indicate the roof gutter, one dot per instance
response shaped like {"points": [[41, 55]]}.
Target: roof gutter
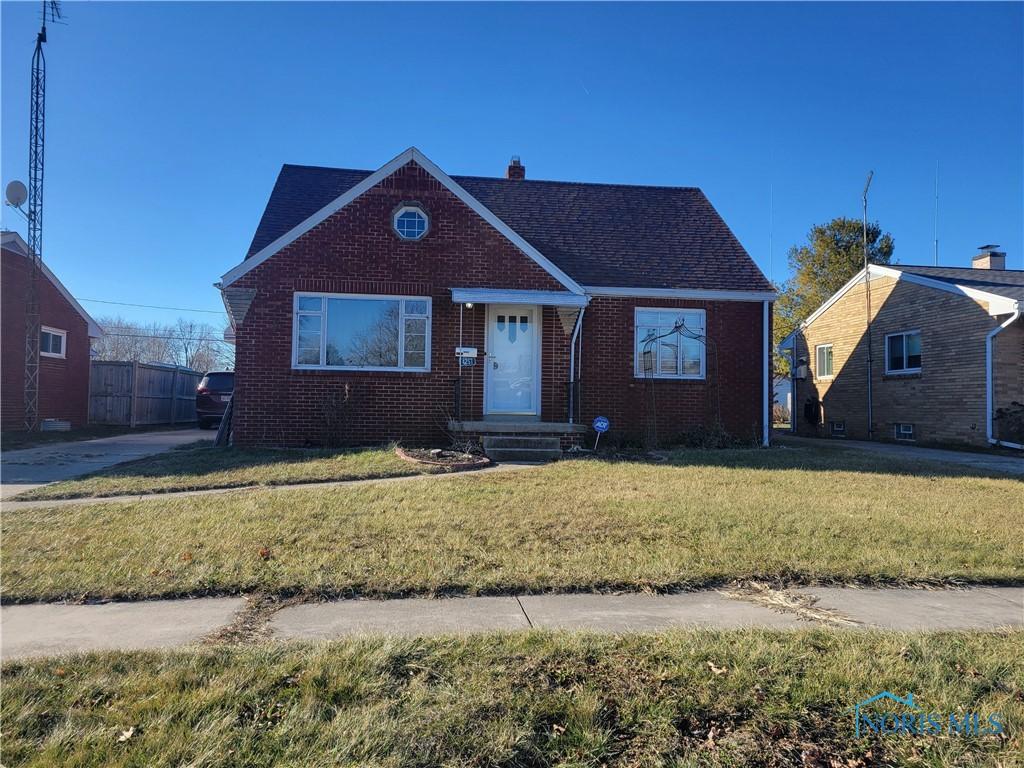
{"points": [[990, 384]]}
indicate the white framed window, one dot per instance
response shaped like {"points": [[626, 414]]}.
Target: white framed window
{"points": [[669, 343], [823, 361], [837, 428], [903, 352], [361, 332], [903, 431], [411, 222], [52, 342]]}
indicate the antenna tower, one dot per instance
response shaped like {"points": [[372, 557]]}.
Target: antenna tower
{"points": [[36, 147]]}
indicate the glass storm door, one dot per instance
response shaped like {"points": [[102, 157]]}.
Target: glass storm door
{"points": [[512, 361]]}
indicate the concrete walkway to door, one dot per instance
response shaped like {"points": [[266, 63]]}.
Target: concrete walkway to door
{"points": [[31, 467], [987, 462]]}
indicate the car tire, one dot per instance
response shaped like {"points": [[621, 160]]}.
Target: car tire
{"points": [[205, 423]]}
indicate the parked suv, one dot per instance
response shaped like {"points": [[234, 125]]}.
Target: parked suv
{"points": [[212, 396]]}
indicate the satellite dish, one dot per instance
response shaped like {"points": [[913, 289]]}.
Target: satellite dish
{"points": [[17, 194]]}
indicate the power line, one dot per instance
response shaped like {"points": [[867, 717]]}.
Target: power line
{"points": [[153, 306], [166, 338]]}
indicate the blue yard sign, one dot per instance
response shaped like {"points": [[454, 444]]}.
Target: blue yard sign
{"points": [[600, 426]]}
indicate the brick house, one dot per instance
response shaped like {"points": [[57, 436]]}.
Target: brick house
{"points": [[64, 343], [366, 294], [947, 351]]}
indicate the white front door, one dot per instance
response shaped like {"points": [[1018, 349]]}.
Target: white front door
{"points": [[512, 364]]}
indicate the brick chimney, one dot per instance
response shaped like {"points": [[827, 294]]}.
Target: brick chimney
{"points": [[989, 258], [516, 169]]}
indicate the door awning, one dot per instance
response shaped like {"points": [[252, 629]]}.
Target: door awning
{"points": [[513, 296]]}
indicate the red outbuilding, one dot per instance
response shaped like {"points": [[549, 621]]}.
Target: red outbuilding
{"points": [[64, 343]]}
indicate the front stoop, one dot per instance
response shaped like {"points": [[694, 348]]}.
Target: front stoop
{"points": [[518, 448]]}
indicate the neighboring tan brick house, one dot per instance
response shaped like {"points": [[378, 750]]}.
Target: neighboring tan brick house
{"points": [[634, 303], [64, 346], [947, 350]]}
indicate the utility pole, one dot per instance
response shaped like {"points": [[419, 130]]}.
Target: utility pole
{"points": [[36, 147], [867, 304]]}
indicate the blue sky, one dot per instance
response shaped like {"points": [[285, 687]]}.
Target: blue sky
{"points": [[167, 122]]}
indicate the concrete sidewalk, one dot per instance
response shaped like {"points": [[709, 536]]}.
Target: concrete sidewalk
{"points": [[31, 467], [46, 629], [984, 462]]}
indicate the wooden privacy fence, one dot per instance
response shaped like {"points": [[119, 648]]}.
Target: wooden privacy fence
{"points": [[141, 393]]}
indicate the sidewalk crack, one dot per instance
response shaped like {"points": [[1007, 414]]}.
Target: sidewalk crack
{"points": [[525, 614]]}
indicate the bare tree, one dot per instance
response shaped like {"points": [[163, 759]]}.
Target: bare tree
{"points": [[199, 346]]}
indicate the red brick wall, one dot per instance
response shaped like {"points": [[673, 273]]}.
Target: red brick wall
{"points": [[356, 251], [733, 386], [63, 383]]}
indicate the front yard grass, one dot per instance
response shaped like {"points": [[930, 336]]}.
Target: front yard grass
{"points": [[679, 698], [201, 466], [699, 519]]}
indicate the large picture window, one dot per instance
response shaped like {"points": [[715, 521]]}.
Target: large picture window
{"points": [[903, 352], [361, 332], [669, 343]]}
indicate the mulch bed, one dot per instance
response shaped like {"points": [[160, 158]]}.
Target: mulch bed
{"points": [[449, 460]]}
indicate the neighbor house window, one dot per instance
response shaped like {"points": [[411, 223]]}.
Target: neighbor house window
{"points": [[837, 428], [669, 343], [823, 361], [903, 431], [361, 332], [52, 342], [411, 222], [903, 352]]}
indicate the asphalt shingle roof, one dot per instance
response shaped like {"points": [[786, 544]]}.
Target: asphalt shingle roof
{"points": [[1001, 282], [599, 234]]}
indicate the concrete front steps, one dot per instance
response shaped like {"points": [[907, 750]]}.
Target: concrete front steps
{"points": [[519, 448]]}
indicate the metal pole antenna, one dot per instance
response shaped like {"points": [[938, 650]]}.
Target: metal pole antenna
{"points": [[36, 147], [867, 304], [936, 213]]}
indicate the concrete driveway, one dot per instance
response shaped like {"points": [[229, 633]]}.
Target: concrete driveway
{"points": [[986, 462], [32, 467]]}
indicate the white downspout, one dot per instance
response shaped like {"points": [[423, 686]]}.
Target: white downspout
{"points": [[572, 362], [765, 408], [990, 384]]}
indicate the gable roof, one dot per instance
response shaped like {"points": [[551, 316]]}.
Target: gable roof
{"points": [[1008, 283], [600, 235], [12, 241], [411, 155], [1002, 289]]}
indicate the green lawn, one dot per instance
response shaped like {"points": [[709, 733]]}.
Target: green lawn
{"points": [[677, 698], [201, 466], [705, 517]]}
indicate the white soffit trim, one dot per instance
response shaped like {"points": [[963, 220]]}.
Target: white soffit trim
{"points": [[998, 305], [15, 242], [513, 296], [410, 155], [681, 293]]}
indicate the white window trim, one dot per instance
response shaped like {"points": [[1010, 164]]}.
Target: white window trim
{"points": [[901, 371], [63, 342], [323, 332], [638, 371], [818, 376], [421, 212], [896, 432]]}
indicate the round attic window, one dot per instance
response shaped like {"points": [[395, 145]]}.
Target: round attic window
{"points": [[411, 222]]}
